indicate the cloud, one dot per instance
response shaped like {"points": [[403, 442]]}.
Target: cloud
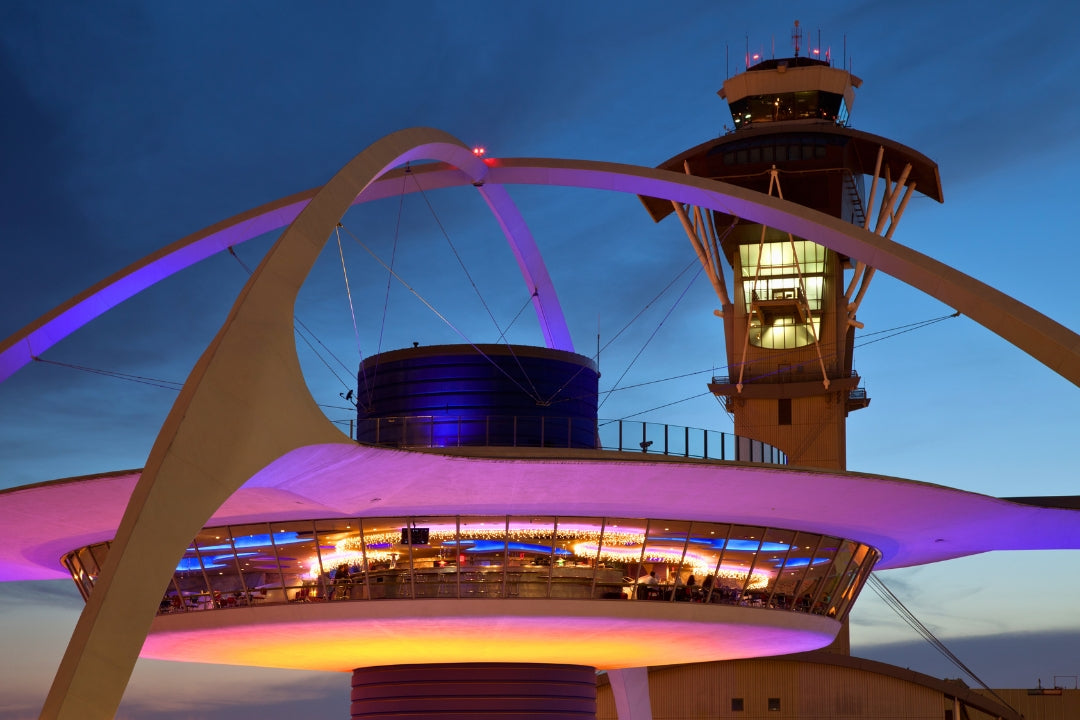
{"points": [[180, 691], [969, 99], [36, 620], [1008, 660], [39, 617], [44, 594], [37, 223]]}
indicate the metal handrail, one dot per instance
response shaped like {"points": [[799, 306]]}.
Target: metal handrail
{"points": [[729, 380], [428, 431]]}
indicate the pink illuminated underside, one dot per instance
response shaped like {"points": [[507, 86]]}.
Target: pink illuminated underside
{"points": [[606, 634]]}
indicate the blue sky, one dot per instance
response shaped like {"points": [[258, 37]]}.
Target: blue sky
{"points": [[128, 126]]}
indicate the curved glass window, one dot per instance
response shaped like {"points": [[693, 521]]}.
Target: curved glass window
{"points": [[502, 556], [800, 105]]}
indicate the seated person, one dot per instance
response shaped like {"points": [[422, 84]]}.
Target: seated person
{"points": [[648, 586], [693, 590]]}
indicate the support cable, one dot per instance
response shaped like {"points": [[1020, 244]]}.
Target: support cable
{"points": [[535, 394], [650, 303], [658, 407], [348, 293], [370, 387], [653, 335], [297, 326], [438, 314], [801, 301], [660, 380], [175, 385], [890, 599], [528, 301], [908, 328], [346, 385], [116, 375], [893, 332], [625, 327]]}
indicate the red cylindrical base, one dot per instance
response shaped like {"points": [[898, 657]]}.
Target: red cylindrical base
{"points": [[466, 691]]}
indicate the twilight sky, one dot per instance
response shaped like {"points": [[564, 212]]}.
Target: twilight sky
{"points": [[128, 126]]}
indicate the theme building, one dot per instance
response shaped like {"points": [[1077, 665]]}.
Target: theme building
{"points": [[485, 545]]}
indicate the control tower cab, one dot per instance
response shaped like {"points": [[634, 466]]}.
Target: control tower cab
{"points": [[790, 316], [790, 89]]}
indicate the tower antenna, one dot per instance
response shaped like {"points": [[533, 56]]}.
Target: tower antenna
{"points": [[796, 36]]}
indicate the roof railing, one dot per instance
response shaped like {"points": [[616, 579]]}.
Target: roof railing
{"points": [[435, 431]]}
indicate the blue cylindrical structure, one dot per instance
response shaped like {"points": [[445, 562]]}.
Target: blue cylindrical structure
{"points": [[461, 395]]}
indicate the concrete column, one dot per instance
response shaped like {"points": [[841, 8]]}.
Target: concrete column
{"points": [[630, 688]]}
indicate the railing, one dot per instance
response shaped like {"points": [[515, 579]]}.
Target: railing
{"points": [[778, 294], [478, 431], [655, 438], [564, 432], [785, 373]]}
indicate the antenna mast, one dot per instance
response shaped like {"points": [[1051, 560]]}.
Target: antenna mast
{"points": [[796, 36]]}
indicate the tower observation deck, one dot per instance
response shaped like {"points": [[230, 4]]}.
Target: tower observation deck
{"points": [[790, 316]]}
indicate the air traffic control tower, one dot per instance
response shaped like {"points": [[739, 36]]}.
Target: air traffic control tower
{"points": [[790, 312]]}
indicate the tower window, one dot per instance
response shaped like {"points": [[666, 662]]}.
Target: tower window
{"points": [[783, 411], [774, 704], [736, 704]]}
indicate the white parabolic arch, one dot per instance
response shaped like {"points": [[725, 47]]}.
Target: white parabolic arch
{"points": [[245, 403], [1042, 338]]}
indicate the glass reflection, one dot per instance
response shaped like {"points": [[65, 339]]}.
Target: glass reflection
{"points": [[847, 588], [780, 544], [817, 575], [845, 557], [791, 569], [385, 548], [341, 573]]}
